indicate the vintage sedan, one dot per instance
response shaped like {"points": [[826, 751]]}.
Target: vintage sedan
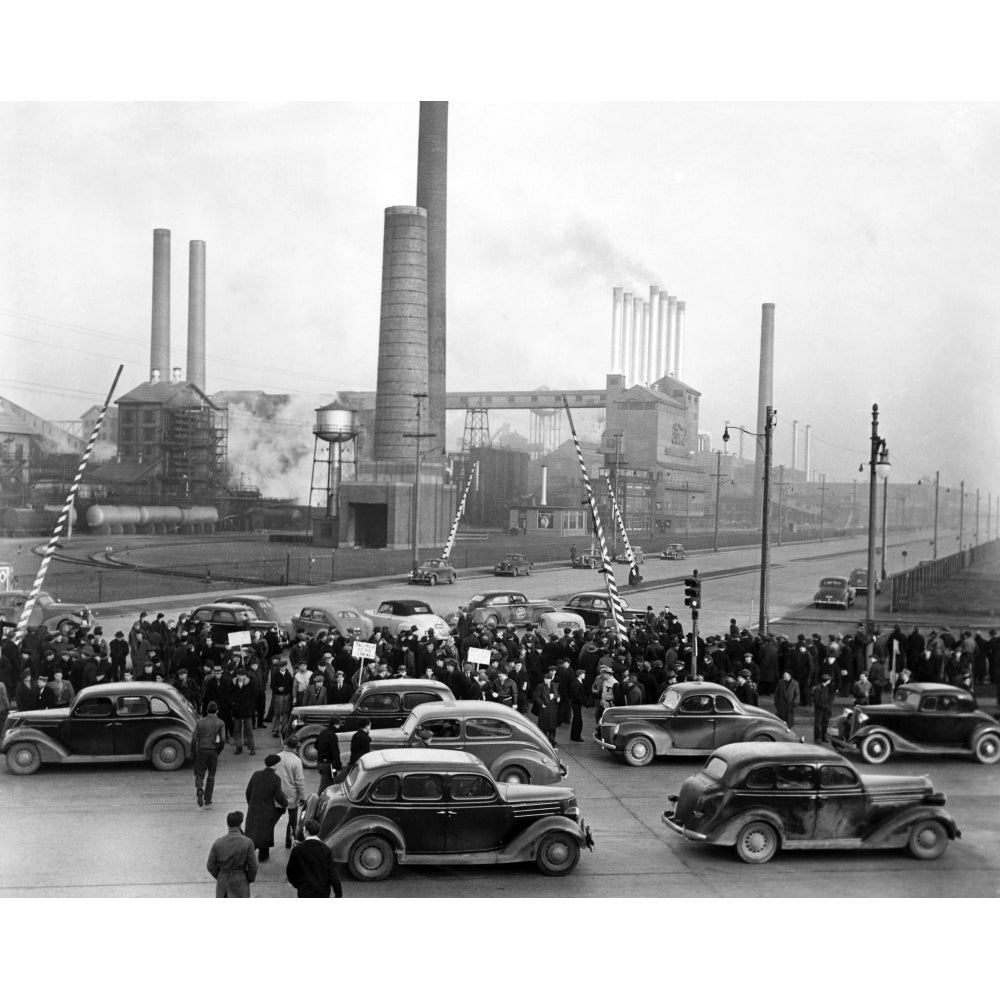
{"points": [[640, 556], [594, 607], [345, 621], [406, 616], [691, 719], [508, 743], [263, 609], [549, 621], [503, 607], [433, 572], [513, 564], [587, 560], [386, 704], [673, 551], [442, 807], [922, 718], [859, 581], [128, 721], [761, 798], [46, 611], [834, 591]]}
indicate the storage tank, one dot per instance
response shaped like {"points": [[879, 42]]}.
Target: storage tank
{"points": [[333, 423]]}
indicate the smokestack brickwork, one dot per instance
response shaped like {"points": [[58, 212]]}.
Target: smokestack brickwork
{"points": [[403, 338], [159, 343], [196, 314], [432, 195]]}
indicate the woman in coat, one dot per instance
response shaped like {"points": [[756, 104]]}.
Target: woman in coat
{"points": [[266, 803]]}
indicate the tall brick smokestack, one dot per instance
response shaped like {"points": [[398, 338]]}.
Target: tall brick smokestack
{"points": [[432, 195], [159, 341], [196, 314], [402, 334], [765, 393]]}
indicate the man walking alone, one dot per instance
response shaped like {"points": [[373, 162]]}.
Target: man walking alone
{"points": [[232, 861], [207, 741]]}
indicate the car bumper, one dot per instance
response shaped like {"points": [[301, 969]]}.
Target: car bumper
{"points": [[604, 744], [668, 821]]}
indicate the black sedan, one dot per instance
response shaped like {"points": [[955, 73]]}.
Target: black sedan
{"points": [[442, 807], [924, 719], [759, 799]]}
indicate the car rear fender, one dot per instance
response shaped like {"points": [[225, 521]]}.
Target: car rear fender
{"points": [[980, 730], [309, 731], [50, 751], [178, 732], [726, 833], [525, 845], [895, 831], [340, 841], [526, 759], [765, 727]]}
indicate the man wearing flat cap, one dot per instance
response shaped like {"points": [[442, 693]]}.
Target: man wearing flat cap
{"points": [[232, 862], [823, 696], [266, 803]]}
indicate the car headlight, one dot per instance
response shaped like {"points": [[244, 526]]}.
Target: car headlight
{"points": [[614, 731]]}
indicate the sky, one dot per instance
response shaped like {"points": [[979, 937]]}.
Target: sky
{"points": [[871, 226]]}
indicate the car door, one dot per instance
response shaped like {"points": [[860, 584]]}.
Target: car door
{"points": [[422, 812], [442, 733], [383, 708], [787, 790], [478, 818], [693, 725], [941, 722], [730, 722], [132, 724], [841, 805], [487, 738], [90, 729], [520, 613]]}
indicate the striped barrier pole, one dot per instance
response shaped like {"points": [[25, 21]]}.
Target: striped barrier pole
{"points": [[29, 605], [621, 525], [608, 570], [458, 516]]}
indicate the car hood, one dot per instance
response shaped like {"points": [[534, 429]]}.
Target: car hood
{"points": [[322, 711], [622, 713], [42, 716], [388, 739], [516, 794], [887, 786]]}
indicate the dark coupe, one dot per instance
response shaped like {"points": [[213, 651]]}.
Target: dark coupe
{"points": [[133, 720], [759, 799], [442, 807], [922, 718], [690, 719]]}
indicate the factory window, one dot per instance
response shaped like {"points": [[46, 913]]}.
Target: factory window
{"points": [[149, 434], [572, 520], [149, 416], [127, 416]]}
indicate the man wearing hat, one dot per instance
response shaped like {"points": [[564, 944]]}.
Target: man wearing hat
{"points": [[244, 706], [823, 696], [266, 803], [207, 741], [746, 690], [293, 783], [282, 687], [232, 862]]}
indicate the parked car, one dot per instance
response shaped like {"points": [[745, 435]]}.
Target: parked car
{"points": [[673, 551], [513, 564], [433, 571], [834, 591], [594, 607], [859, 581], [507, 742], [503, 607], [922, 718], [128, 721], [262, 607], [442, 807], [550, 621], [760, 798], [345, 621], [387, 704], [403, 616], [47, 611], [225, 619], [640, 556], [587, 560], [690, 719]]}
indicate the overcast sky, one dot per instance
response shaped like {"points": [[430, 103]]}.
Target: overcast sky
{"points": [[872, 227]]}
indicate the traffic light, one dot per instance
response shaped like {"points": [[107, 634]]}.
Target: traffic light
{"points": [[692, 592]]}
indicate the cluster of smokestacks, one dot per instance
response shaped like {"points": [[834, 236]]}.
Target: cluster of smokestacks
{"points": [[159, 346], [647, 337]]}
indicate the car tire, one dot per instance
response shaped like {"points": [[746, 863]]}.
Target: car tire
{"points": [[491, 621], [168, 754], [371, 859], [928, 840], [515, 776], [757, 843], [307, 752], [987, 748], [558, 853], [639, 751], [527, 572], [433, 580], [454, 577], [876, 748], [23, 758]]}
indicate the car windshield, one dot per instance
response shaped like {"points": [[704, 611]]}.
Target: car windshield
{"points": [[670, 698], [832, 581], [716, 768], [478, 599], [266, 610], [911, 699]]}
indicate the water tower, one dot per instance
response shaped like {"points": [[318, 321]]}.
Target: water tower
{"points": [[334, 427]]}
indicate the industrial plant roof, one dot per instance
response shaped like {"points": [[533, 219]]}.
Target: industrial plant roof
{"points": [[10, 424], [179, 394]]}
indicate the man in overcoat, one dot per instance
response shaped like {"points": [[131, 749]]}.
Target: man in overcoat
{"points": [[546, 704], [266, 803], [786, 697], [311, 868], [232, 862]]}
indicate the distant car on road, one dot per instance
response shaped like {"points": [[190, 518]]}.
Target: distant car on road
{"points": [[105, 723], [47, 611], [433, 572], [922, 718], [443, 807], [760, 798], [690, 719], [403, 616], [859, 581], [587, 560], [513, 564], [834, 591], [503, 607], [673, 551], [640, 556], [346, 621]]}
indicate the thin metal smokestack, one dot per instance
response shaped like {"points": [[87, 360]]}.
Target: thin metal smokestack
{"points": [[432, 195], [616, 331], [808, 452], [196, 314], [661, 335], [765, 390], [633, 361], [627, 337], [672, 335], [644, 348], [159, 343], [651, 372], [795, 444], [681, 307], [545, 485]]}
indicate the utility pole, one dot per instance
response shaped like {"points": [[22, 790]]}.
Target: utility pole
{"points": [[937, 484], [419, 397], [718, 483], [822, 504], [781, 496], [764, 550], [961, 513]]}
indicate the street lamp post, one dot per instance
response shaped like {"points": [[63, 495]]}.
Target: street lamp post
{"points": [[718, 483], [879, 461], [961, 514], [781, 496], [822, 505], [762, 623]]}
